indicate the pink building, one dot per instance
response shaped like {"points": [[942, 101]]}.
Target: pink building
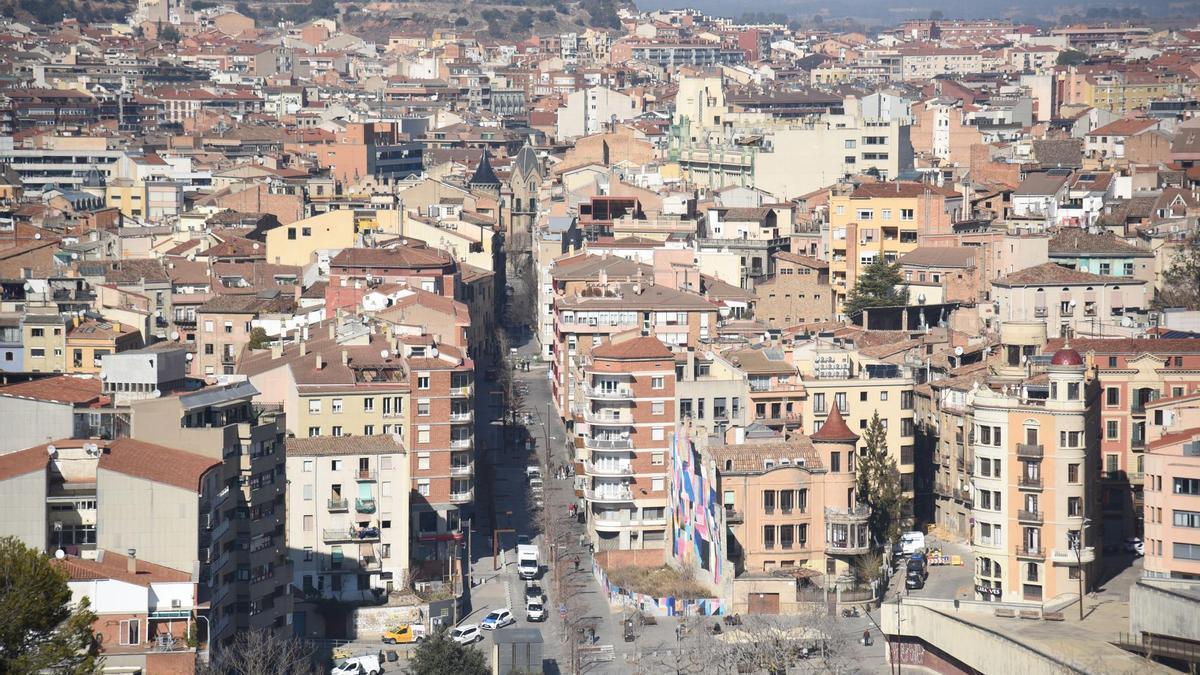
{"points": [[1172, 489]]}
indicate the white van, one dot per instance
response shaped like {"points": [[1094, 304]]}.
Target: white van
{"points": [[359, 665], [912, 542]]}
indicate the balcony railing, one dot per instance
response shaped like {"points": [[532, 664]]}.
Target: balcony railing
{"points": [[1031, 552], [857, 514], [461, 391], [339, 505], [620, 494], [1029, 516], [461, 469], [461, 416], [608, 394], [1033, 482], [461, 497], [1041, 312], [462, 443], [364, 505], [334, 535], [366, 475], [593, 417], [608, 468], [607, 443], [1030, 450], [733, 516], [1069, 556]]}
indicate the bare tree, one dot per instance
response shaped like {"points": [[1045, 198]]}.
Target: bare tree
{"points": [[262, 652]]}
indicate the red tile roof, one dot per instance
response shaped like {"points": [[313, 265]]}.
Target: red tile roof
{"points": [[835, 430], [637, 348], [1053, 273], [115, 566], [157, 463], [23, 462], [1176, 437], [58, 389], [1129, 345]]}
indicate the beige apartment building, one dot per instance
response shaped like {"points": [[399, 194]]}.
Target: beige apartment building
{"points": [[1068, 301], [1172, 489], [799, 293], [1036, 524], [628, 418], [224, 324], [43, 336], [348, 526]]}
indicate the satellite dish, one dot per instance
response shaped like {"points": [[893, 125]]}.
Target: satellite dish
{"points": [[51, 450], [190, 356], [175, 335], [156, 393], [958, 351], [433, 351], [383, 354], [60, 554], [37, 235], [103, 375], [74, 256]]}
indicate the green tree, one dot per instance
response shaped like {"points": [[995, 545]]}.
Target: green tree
{"points": [[259, 338], [439, 655], [879, 285], [1182, 287], [41, 631], [1071, 57], [879, 486], [170, 34]]}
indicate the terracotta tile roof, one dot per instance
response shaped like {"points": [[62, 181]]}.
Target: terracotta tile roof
{"points": [[940, 256], [1125, 127], [636, 348], [1076, 241], [905, 189], [247, 304], [157, 463], [1128, 345], [23, 462], [834, 430], [401, 256], [1053, 273], [324, 446], [751, 457], [1176, 437], [58, 389], [116, 566], [805, 260]]}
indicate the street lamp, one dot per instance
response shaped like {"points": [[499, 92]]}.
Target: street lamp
{"points": [[1077, 544]]}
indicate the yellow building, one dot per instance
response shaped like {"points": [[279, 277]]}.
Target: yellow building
{"points": [[89, 341], [303, 241], [887, 220], [44, 340]]}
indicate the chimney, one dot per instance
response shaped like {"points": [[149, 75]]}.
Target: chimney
{"points": [[303, 348], [277, 351], [131, 561], [345, 358], [320, 362], [332, 330]]}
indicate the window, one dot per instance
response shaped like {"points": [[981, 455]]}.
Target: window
{"points": [[423, 461], [131, 630], [657, 459], [819, 403], [368, 405], [1186, 518], [658, 408], [308, 523], [1073, 473], [885, 214], [308, 466], [423, 408], [1112, 396], [422, 382], [768, 536], [786, 536], [1075, 506], [1112, 429], [37, 353], [337, 431], [658, 484], [314, 431], [314, 406], [422, 435], [1187, 486], [906, 214], [1186, 551], [769, 501], [835, 462], [423, 488], [337, 406], [657, 382], [865, 214]]}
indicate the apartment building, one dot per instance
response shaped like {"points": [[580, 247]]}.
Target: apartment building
{"points": [[88, 341], [1069, 302], [1172, 479], [883, 220], [62, 406], [841, 377], [799, 292], [224, 324], [712, 393], [1134, 376], [1035, 502], [945, 418], [789, 505], [628, 417], [348, 525], [596, 313], [43, 336], [775, 392]]}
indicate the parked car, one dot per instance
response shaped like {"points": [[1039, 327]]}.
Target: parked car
{"points": [[534, 592], [535, 610], [1135, 545], [914, 581], [498, 618], [359, 665], [917, 565], [466, 634]]}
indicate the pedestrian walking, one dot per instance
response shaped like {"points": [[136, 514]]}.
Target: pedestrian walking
{"points": [[866, 638], [576, 563]]}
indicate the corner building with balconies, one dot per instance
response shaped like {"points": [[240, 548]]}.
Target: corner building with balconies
{"points": [[628, 413], [1034, 504]]}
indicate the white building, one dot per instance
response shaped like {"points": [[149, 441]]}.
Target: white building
{"points": [[588, 111]]}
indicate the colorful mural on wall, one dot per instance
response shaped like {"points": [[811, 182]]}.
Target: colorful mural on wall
{"points": [[669, 606], [695, 524]]}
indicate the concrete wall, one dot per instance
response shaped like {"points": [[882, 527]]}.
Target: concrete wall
{"points": [[23, 503], [158, 520], [1169, 608], [27, 423]]}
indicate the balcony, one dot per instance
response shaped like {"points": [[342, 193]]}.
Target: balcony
{"points": [[733, 517], [594, 417], [364, 505], [1041, 312], [1029, 516], [338, 535], [1031, 552], [460, 417], [857, 515], [366, 476], [610, 495], [462, 469], [963, 494], [1030, 482], [339, 505], [462, 443], [462, 497], [607, 443], [1030, 451], [608, 393], [461, 392], [608, 468]]}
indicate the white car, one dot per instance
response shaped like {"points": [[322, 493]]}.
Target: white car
{"points": [[498, 618], [466, 634], [535, 611], [1135, 545], [359, 665]]}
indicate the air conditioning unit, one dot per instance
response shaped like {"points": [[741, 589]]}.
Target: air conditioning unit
{"points": [[176, 604]]}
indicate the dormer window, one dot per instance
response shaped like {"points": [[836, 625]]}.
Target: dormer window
{"points": [[768, 464]]}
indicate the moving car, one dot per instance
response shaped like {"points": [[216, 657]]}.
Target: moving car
{"points": [[534, 592], [1135, 546], [359, 665], [498, 618], [914, 581], [466, 634]]}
